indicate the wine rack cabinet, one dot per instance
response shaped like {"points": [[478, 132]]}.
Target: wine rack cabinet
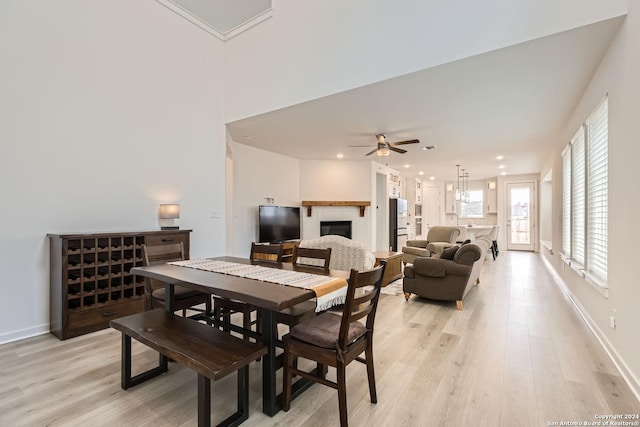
{"points": [[90, 282]]}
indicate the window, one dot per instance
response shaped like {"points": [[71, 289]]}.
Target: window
{"points": [[584, 198], [566, 201], [472, 208]]}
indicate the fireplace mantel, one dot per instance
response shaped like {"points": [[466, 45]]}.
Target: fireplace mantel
{"points": [[309, 204]]}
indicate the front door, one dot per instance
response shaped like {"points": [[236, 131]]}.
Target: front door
{"points": [[521, 217]]}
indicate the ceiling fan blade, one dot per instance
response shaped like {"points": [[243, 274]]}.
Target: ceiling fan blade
{"points": [[412, 141], [371, 152], [397, 150]]}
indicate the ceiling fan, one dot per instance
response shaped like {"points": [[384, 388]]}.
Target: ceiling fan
{"points": [[384, 146]]}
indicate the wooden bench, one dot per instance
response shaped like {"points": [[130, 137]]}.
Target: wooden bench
{"points": [[208, 351]]}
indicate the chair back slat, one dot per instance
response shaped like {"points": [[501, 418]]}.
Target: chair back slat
{"points": [[311, 257], [368, 284], [266, 254], [159, 254]]}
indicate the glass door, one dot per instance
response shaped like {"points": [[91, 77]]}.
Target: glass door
{"points": [[521, 219]]}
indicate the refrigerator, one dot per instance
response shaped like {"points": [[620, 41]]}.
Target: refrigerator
{"points": [[398, 221]]}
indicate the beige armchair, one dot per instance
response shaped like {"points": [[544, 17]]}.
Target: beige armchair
{"points": [[439, 238]]}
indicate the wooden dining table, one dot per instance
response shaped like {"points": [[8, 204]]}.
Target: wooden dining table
{"points": [[268, 297]]}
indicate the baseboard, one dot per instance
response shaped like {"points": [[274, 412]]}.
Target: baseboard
{"points": [[628, 375], [23, 333]]}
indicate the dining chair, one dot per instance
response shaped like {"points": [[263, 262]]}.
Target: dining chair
{"points": [[311, 257], [309, 260], [183, 298], [333, 340], [223, 308]]}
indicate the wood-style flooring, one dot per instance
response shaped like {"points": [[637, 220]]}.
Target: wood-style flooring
{"points": [[517, 355]]}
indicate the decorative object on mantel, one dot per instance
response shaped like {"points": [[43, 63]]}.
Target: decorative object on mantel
{"points": [[169, 212], [309, 204]]}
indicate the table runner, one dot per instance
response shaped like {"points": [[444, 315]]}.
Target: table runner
{"points": [[330, 291]]}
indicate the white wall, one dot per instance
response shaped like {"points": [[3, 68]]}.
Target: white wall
{"points": [[618, 76], [313, 49], [107, 109], [258, 174], [335, 180]]}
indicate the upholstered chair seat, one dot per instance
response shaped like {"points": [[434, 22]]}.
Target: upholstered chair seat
{"points": [[323, 330]]}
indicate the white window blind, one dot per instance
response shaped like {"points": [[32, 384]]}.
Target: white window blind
{"points": [[566, 201], [578, 171], [597, 186]]}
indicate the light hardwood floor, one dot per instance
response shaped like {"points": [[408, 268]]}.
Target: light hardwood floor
{"points": [[517, 355]]}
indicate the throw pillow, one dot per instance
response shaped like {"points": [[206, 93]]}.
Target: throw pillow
{"points": [[449, 253]]}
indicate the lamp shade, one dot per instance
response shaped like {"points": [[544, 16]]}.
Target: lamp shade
{"points": [[169, 211]]}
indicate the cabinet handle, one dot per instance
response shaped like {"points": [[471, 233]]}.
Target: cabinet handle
{"points": [[109, 313], [168, 239]]}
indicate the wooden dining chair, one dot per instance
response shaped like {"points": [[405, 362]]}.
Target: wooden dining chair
{"points": [[184, 298], [309, 260], [223, 308], [310, 257], [333, 340]]}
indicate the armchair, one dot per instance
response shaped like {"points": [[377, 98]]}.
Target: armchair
{"points": [[445, 279], [439, 238]]}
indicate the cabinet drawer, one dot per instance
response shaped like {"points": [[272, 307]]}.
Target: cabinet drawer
{"points": [[164, 239], [98, 318]]}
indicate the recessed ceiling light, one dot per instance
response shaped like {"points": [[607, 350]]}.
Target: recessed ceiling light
{"points": [[421, 173], [407, 166], [429, 147], [432, 178], [499, 157], [503, 173], [502, 166], [340, 155]]}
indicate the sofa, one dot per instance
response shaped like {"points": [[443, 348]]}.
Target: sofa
{"points": [[345, 255], [444, 279], [439, 238]]}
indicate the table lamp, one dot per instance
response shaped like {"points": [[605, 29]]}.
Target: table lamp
{"points": [[169, 212]]}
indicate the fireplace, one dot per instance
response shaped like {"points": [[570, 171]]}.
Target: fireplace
{"points": [[340, 228]]}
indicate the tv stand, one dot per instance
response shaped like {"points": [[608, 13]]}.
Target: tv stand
{"points": [[287, 249]]}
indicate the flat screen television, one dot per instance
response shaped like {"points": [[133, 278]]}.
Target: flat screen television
{"points": [[278, 223]]}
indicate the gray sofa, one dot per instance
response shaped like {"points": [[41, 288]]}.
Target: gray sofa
{"points": [[439, 238], [446, 279]]}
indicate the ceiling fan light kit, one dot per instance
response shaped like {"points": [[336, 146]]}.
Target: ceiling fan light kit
{"points": [[384, 147]]}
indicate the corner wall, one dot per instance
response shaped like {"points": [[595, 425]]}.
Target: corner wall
{"points": [[308, 50], [108, 109], [616, 76], [258, 174]]}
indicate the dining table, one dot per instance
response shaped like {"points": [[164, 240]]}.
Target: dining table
{"points": [[268, 297]]}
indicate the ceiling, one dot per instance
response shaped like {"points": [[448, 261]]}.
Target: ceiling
{"points": [[508, 102]]}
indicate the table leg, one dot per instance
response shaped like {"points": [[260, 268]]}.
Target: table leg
{"points": [[169, 291], [168, 297], [270, 405]]}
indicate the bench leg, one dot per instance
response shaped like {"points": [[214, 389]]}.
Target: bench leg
{"points": [[204, 401], [126, 379]]}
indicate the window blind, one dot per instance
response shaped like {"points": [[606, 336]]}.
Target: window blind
{"points": [[578, 171], [597, 186], [566, 201]]}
